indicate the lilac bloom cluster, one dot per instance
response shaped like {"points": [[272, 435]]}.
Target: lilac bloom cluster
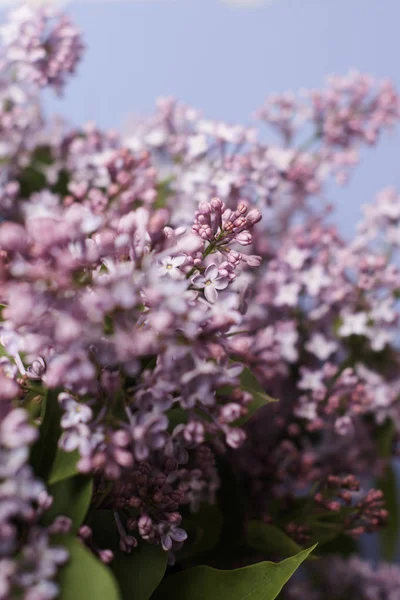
{"points": [[28, 560], [340, 578], [117, 309], [41, 46], [321, 313], [140, 279], [321, 136]]}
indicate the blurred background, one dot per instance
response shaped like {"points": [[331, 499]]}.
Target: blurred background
{"points": [[225, 56]]}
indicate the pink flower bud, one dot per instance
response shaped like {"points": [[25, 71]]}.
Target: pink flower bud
{"points": [[253, 216]]}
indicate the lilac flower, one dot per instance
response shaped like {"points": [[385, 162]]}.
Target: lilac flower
{"points": [[16, 431], [348, 577], [36, 369], [75, 412], [171, 535], [321, 347], [212, 282], [148, 433], [28, 566], [170, 266], [354, 324]]}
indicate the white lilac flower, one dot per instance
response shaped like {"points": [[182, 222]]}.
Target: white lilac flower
{"points": [[306, 410], [212, 282], [288, 295], [354, 324], [75, 412], [296, 257], [315, 279], [311, 380], [170, 266], [321, 347]]}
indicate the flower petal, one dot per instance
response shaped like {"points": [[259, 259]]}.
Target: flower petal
{"points": [[199, 281], [177, 261], [211, 272], [221, 283], [178, 534], [211, 293]]}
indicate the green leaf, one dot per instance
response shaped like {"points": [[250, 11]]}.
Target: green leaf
{"points": [[139, 573], [64, 466], [164, 191], [204, 528], [177, 416], [33, 404], [269, 538], [341, 544], [388, 535], [71, 498], [105, 534], [325, 532], [262, 581], [31, 180], [387, 483], [209, 521], [84, 577], [249, 383], [232, 501], [45, 449], [384, 438]]}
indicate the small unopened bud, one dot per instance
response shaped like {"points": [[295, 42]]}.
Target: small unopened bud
{"points": [[85, 532], [106, 556], [217, 204], [158, 221], [253, 216], [145, 526]]}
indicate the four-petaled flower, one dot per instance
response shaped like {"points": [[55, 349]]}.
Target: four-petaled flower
{"points": [[170, 266], [75, 412], [211, 281]]}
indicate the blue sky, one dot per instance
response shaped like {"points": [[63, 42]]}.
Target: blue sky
{"points": [[226, 59]]}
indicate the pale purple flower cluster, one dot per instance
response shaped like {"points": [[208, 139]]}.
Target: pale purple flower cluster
{"points": [[28, 560], [137, 281], [321, 313], [41, 46], [110, 303], [338, 578]]}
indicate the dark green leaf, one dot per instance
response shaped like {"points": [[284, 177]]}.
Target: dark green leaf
{"points": [[387, 483], [342, 544], [64, 466], [384, 438], [209, 521], [84, 577], [389, 535], [325, 532], [164, 191], [262, 581], [105, 534], [177, 416], [139, 573], [249, 383], [71, 498], [45, 449], [31, 180], [270, 539], [232, 500], [33, 404]]}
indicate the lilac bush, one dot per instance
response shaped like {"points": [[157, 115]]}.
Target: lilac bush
{"points": [[196, 368]]}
